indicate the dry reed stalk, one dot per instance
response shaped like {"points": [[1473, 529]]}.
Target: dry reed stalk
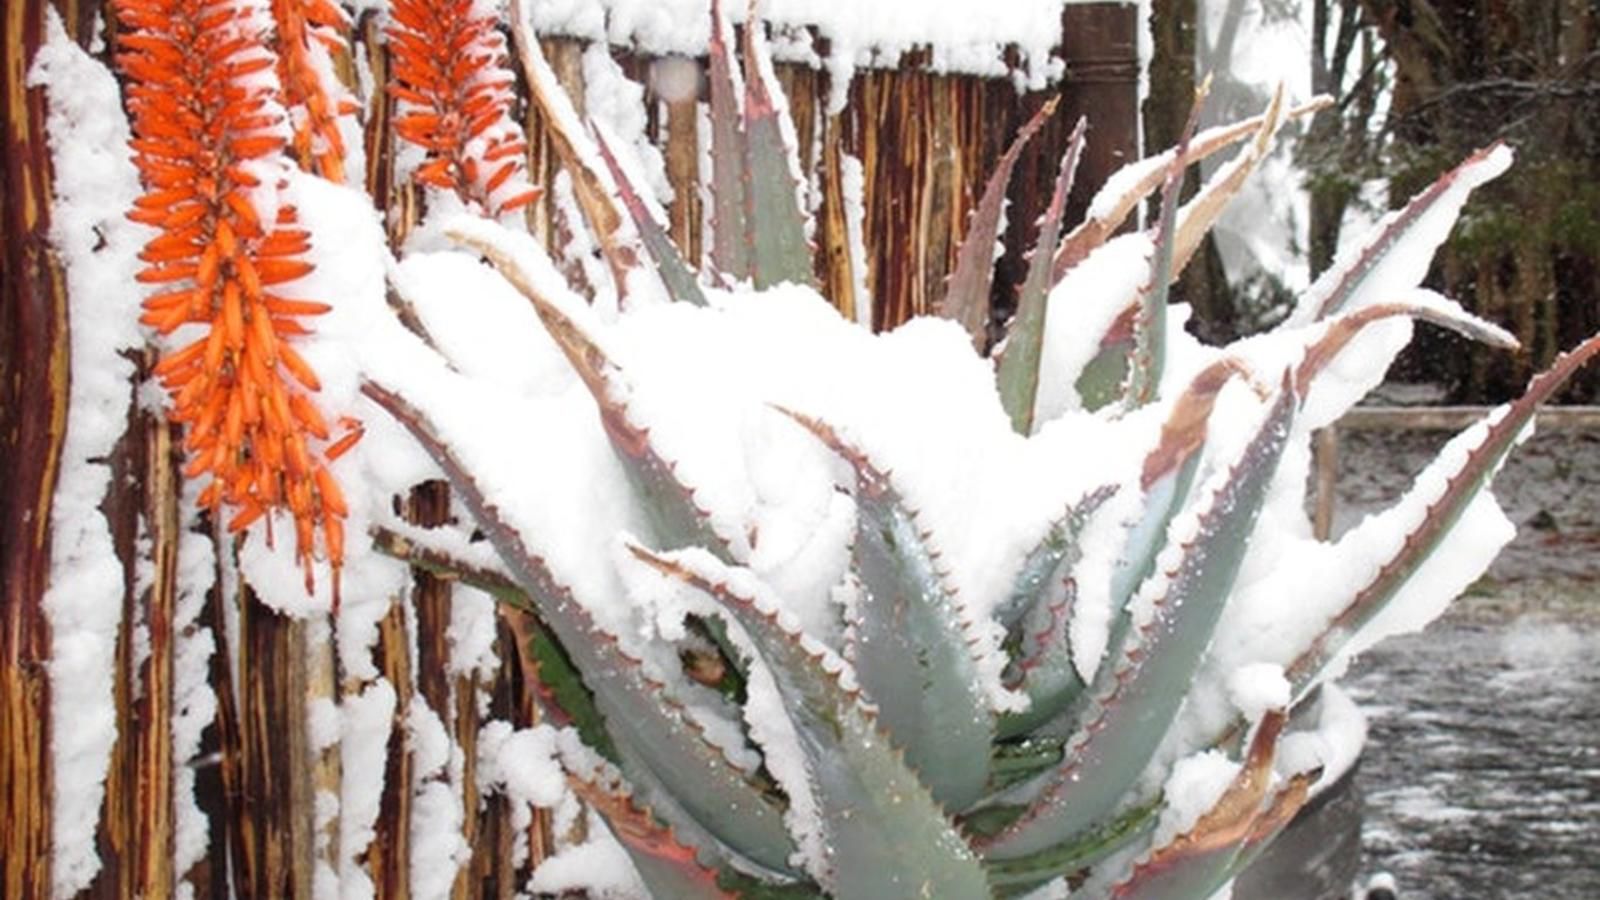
{"points": [[33, 409]]}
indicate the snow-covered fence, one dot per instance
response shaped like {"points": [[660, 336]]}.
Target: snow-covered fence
{"points": [[165, 733], [898, 152]]}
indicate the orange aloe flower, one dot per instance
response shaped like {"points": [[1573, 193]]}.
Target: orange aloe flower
{"points": [[455, 96], [207, 128], [308, 32]]}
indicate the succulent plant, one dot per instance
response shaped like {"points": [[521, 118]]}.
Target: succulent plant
{"points": [[874, 616]]}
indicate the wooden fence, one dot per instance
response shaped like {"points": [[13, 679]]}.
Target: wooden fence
{"points": [[925, 141]]}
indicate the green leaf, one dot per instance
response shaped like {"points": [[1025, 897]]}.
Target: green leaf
{"points": [[910, 646], [1135, 697], [1041, 666], [1332, 291], [1104, 379], [1148, 360], [1199, 861], [676, 519], [966, 298], [678, 771], [1012, 877], [888, 838], [1050, 559], [675, 274], [1165, 482], [1019, 365], [670, 869], [1129, 186], [730, 235], [773, 212], [1482, 461]]}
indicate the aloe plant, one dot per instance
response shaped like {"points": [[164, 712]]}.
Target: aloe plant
{"points": [[959, 682]]}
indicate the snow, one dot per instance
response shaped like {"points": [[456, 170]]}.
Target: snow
{"points": [[1258, 688], [853, 181], [84, 600], [1196, 784], [438, 848], [194, 705], [861, 35], [363, 747]]}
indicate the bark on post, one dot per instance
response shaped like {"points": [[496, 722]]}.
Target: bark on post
{"points": [[33, 411]]}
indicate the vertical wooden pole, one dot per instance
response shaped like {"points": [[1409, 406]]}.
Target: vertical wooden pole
{"points": [[33, 412], [1327, 466]]}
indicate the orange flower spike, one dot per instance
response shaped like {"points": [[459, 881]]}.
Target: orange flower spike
{"points": [[305, 29], [200, 115], [451, 80]]}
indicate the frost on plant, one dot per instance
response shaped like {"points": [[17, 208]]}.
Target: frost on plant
{"points": [[863, 615]]}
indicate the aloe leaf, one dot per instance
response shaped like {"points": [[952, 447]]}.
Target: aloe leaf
{"points": [[730, 236], [1148, 360], [1199, 861], [684, 777], [670, 869], [1050, 559], [1019, 761], [1280, 812], [1166, 479], [774, 213], [1042, 668], [560, 688], [1019, 365], [576, 153], [1134, 698], [1482, 461], [1011, 877], [1199, 214], [675, 518], [886, 835], [1130, 185], [424, 549], [966, 298], [675, 274], [1400, 239], [911, 647], [1104, 379], [1423, 305]]}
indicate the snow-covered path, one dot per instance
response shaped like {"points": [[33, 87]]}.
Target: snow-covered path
{"points": [[1482, 770]]}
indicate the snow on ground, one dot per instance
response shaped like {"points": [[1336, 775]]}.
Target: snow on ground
{"points": [[1480, 772]]}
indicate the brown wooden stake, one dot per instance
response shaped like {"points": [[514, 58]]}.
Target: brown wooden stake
{"points": [[836, 267], [683, 169], [33, 411]]}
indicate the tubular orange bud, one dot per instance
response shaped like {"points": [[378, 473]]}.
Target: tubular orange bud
{"points": [[246, 516], [305, 412], [328, 489], [342, 445], [298, 368], [232, 315]]}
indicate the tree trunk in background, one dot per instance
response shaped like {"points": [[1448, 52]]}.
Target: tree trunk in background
{"points": [[1203, 283], [1468, 73]]}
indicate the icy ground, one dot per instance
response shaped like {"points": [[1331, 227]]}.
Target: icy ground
{"points": [[1482, 770]]}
